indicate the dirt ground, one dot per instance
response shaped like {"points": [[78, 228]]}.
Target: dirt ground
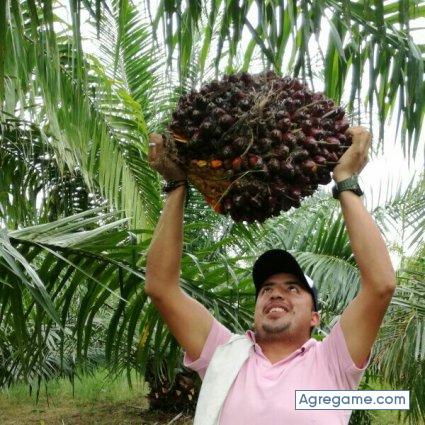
{"points": [[121, 413]]}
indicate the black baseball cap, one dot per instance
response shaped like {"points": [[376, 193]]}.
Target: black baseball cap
{"points": [[279, 261]]}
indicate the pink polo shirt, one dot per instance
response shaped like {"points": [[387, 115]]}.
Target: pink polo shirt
{"points": [[264, 393]]}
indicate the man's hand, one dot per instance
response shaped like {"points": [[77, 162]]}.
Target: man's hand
{"points": [[354, 160], [159, 161]]}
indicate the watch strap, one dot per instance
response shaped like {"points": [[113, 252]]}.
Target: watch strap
{"points": [[352, 184], [170, 185]]}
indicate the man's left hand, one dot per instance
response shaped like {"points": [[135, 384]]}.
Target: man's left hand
{"points": [[355, 158]]}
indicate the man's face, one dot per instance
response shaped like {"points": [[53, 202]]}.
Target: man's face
{"points": [[284, 309]]}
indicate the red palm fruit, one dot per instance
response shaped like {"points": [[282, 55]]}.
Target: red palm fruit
{"points": [[327, 124], [297, 85], [332, 143], [225, 121], [318, 96], [280, 115], [310, 143], [299, 116], [324, 178], [246, 78], [289, 139], [317, 133], [297, 171], [237, 164], [196, 114], [287, 170], [317, 110], [342, 138], [277, 188], [276, 135], [341, 126], [316, 121], [300, 94], [254, 160], [333, 156], [284, 124], [264, 144], [309, 166], [308, 96], [238, 95], [324, 152], [319, 160], [295, 192], [300, 136], [282, 151], [300, 155], [288, 104], [273, 165], [277, 86], [297, 103], [216, 164], [217, 112], [307, 125], [206, 128]]}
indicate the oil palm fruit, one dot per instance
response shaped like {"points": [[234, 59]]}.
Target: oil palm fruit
{"points": [[255, 145]]}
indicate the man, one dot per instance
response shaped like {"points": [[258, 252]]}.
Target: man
{"points": [[251, 379]]}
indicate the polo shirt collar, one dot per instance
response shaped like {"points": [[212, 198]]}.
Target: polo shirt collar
{"points": [[305, 347]]}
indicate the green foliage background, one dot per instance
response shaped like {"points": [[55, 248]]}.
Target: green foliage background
{"points": [[78, 201]]}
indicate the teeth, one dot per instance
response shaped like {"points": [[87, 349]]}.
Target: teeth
{"points": [[276, 309]]}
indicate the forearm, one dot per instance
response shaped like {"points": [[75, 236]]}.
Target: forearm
{"points": [[368, 246], [164, 254]]}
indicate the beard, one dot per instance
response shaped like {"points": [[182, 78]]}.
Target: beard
{"points": [[272, 331]]}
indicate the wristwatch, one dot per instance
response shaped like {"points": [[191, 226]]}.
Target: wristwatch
{"points": [[352, 183], [170, 185]]}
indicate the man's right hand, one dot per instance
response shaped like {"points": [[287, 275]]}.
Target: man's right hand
{"points": [[159, 161]]}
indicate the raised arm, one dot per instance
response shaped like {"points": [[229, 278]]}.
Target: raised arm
{"points": [[362, 318], [188, 320]]}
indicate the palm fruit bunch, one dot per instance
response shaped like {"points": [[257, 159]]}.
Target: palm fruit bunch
{"points": [[255, 145]]}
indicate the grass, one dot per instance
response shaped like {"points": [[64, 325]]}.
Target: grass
{"points": [[96, 400]]}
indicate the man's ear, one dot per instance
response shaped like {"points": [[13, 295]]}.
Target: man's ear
{"points": [[315, 319]]}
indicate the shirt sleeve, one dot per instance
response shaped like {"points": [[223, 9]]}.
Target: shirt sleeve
{"points": [[339, 362], [218, 335]]}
